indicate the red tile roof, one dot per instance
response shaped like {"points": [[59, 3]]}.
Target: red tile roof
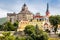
{"points": [[38, 16]]}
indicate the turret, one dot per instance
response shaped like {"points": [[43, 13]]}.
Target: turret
{"points": [[24, 8]]}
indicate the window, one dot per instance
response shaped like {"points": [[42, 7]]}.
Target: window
{"points": [[40, 19]]}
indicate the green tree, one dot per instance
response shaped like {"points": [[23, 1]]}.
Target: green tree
{"points": [[37, 30], [17, 38], [9, 27], [34, 33], [55, 20], [7, 36], [29, 29], [1, 27], [16, 25], [29, 38], [20, 38]]}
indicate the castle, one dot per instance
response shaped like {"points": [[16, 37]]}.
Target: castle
{"points": [[25, 17], [24, 14]]}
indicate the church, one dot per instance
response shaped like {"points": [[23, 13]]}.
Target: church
{"points": [[25, 17]]}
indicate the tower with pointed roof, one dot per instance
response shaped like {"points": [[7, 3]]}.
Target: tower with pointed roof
{"points": [[47, 11], [25, 14], [24, 7]]}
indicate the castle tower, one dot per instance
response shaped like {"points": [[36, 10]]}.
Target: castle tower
{"points": [[47, 11], [24, 7], [25, 14]]}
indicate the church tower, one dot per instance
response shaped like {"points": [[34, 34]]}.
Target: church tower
{"points": [[47, 11]]}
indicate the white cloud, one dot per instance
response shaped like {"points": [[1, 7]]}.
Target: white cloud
{"points": [[3, 13], [33, 7]]}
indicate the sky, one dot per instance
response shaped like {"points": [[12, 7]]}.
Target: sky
{"points": [[35, 6]]}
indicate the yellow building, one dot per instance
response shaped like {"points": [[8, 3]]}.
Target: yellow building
{"points": [[23, 24]]}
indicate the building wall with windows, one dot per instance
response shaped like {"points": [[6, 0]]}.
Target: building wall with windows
{"points": [[25, 17], [41, 24]]}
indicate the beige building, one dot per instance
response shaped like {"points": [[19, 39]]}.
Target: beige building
{"points": [[41, 21], [42, 24], [12, 17], [24, 14], [25, 17]]}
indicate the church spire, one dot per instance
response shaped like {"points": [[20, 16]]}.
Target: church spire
{"points": [[47, 11], [47, 7]]}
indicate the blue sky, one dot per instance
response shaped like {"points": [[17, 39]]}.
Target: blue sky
{"points": [[7, 6]]}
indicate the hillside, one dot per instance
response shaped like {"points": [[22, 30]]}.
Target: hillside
{"points": [[3, 20]]}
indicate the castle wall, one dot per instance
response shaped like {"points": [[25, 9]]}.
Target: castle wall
{"points": [[12, 18]]}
